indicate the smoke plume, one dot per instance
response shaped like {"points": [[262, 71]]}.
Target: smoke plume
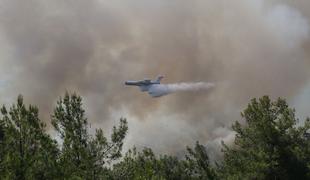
{"points": [[248, 48]]}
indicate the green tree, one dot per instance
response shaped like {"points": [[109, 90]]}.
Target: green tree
{"points": [[84, 156], [270, 144], [27, 152], [198, 164], [145, 165]]}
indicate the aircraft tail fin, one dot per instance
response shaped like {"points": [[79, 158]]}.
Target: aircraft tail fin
{"points": [[159, 78]]}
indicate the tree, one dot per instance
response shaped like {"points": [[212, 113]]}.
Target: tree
{"points": [[270, 145], [145, 165], [82, 155], [27, 152], [198, 164]]}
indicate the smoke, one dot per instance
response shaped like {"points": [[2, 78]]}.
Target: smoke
{"points": [[248, 48], [158, 90]]}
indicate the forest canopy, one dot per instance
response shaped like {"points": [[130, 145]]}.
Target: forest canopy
{"points": [[270, 143]]}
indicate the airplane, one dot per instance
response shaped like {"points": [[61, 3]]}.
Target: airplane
{"points": [[147, 85]]}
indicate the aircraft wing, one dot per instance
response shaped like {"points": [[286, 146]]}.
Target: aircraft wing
{"points": [[139, 83], [133, 83]]}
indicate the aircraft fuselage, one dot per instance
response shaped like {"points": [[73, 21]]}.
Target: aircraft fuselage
{"points": [[146, 85]]}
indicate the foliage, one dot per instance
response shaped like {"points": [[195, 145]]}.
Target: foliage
{"points": [[82, 155], [198, 164], [270, 145], [27, 152], [145, 165]]}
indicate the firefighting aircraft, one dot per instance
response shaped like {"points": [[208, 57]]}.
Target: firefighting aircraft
{"points": [[147, 85]]}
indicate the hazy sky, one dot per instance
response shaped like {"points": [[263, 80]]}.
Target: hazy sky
{"points": [[247, 48]]}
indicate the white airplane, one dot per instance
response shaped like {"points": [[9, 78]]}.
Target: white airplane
{"points": [[147, 85]]}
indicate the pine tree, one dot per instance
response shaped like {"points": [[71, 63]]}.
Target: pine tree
{"points": [[84, 156], [145, 165], [27, 152], [270, 145], [198, 163]]}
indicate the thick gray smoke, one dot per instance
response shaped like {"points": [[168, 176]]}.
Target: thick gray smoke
{"points": [[158, 90], [248, 48]]}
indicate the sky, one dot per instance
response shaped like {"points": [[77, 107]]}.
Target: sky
{"points": [[246, 48]]}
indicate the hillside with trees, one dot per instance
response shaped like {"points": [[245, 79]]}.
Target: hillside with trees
{"points": [[270, 143]]}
